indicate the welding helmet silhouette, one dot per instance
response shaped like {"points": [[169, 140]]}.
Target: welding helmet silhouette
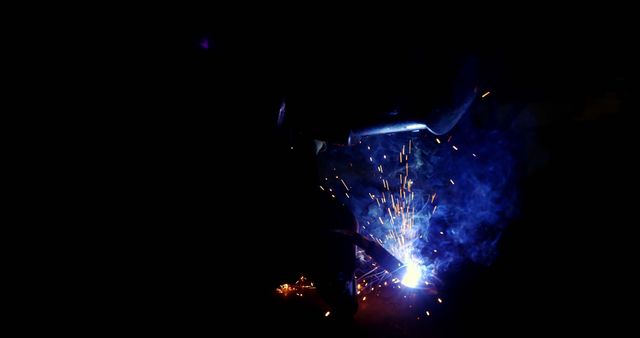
{"points": [[348, 110]]}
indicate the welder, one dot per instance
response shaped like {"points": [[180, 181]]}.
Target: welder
{"points": [[322, 247]]}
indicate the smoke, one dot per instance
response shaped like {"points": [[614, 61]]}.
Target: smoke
{"points": [[460, 192]]}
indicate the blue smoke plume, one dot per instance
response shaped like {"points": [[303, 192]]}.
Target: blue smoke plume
{"points": [[460, 191]]}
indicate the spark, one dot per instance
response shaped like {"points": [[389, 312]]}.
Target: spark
{"points": [[440, 300], [322, 188], [474, 155], [334, 196], [298, 288], [449, 138], [364, 298], [452, 182], [428, 313], [403, 230], [284, 289], [485, 94], [327, 313]]}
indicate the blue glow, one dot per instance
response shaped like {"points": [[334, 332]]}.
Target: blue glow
{"points": [[416, 126], [402, 189]]}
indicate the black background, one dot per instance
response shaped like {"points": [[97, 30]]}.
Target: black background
{"points": [[204, 128]]}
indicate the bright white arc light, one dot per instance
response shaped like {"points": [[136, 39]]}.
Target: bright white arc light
{"points": [[412, 276]]}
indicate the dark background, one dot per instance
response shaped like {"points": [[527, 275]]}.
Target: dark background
{"points": [[208, 130]]}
